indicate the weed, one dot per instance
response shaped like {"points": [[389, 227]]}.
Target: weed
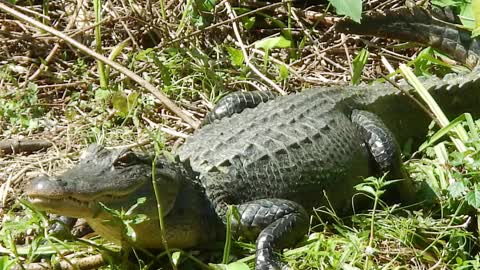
{"points": [[22, 109]]}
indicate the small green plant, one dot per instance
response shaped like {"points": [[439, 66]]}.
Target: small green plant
{"points": [[26, 238], [22, 108], [97, 5], [202, 14], [452, 173], [427, 63], [269, 43], [358, 64], [125, 219]]}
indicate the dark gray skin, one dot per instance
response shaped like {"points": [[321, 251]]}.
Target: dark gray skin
{"points": [[235, 103], [274, 161]]}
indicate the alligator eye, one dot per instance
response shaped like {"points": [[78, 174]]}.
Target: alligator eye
{"points": [[125, 159]]}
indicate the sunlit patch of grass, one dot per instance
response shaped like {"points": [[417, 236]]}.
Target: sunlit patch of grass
{"points": [[387, 238], [26, 239]]}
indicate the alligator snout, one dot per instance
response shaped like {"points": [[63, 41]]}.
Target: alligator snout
{"points": [[52, 194], [46, 186]]}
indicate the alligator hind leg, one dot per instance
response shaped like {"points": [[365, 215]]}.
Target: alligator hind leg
{"points": [[385, 152], [380, 141], [236, 102], [275, 224]]}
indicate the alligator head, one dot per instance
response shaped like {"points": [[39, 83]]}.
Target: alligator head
{"points": [[115, 178]]}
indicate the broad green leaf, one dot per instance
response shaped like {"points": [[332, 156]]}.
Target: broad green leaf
{"points": [[130, 232], [137, 219], [457, 189], [248, 22], [358, 65], [176, 257], [124, 104], [230, 266], [164, 70], [283, 72], [102, 94], [426, 60], [466, 16], [238, 266], [442, 132], [111, 211], [447, 3], [166, 75], [6, 263], [200, 21], [473, 197], [140, 201], [120, 103], [476, 17], [273, 42], [457, 158], [30, 124], [366, 189], [236, 56], [218, 266], [132, 100], [350, 8]]}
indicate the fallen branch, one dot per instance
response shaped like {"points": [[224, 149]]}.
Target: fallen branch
{"points": [[91, 262], [14, 146], [232, 15]]}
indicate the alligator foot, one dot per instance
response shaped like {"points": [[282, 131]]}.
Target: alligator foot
{"points": [[62, 226], [67, 227], [276, 223]]}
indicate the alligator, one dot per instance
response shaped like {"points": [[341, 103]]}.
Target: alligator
{"points": [[275, 160], [418, 25]]}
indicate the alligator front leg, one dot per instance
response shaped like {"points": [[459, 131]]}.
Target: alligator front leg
{"points": [[236, 102], [275, 223]]}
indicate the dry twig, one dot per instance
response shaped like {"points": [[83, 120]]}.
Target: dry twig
{"points": [[232, 15]]}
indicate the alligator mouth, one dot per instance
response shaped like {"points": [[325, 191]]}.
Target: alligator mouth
{"points": [[39, 200], [82, 202], [70, 205]]}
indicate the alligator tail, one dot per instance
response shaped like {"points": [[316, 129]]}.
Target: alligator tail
{"points": [[418, 25]]}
